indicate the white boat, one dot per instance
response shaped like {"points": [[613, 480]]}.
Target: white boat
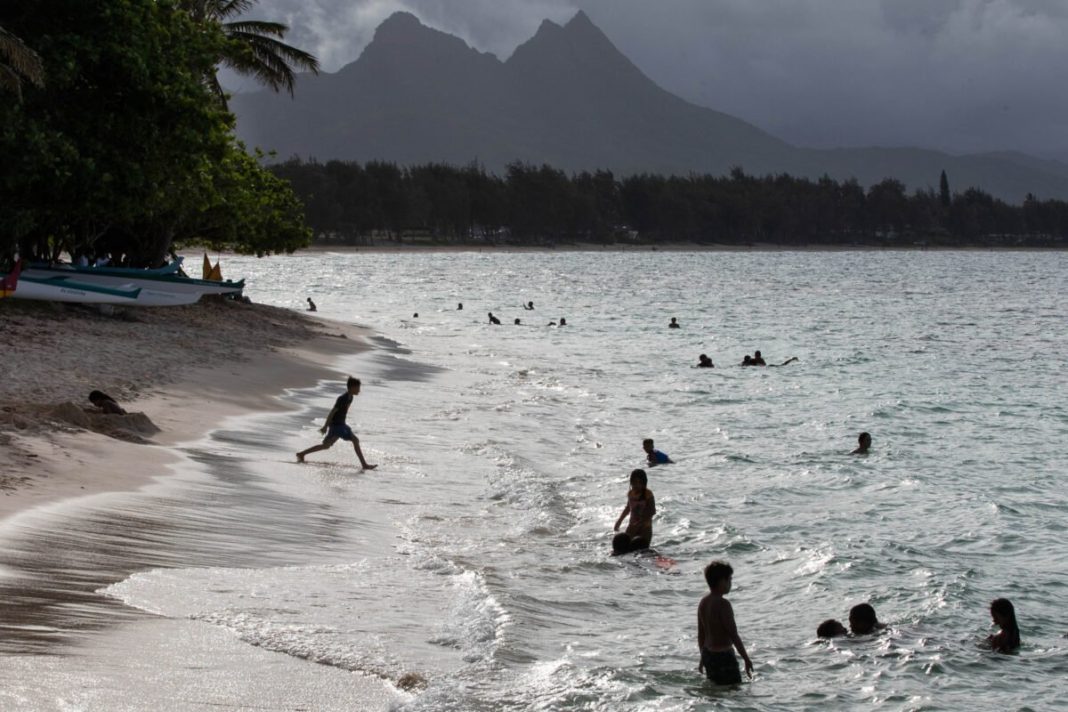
{"points": [[160, 285], [75, 292]]}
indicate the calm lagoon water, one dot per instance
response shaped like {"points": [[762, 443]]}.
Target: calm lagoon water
{"points": [[477, 554]]}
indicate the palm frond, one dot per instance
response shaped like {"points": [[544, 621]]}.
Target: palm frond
{"points": [[256, 27], [10, 81], [269, 60], [17, 57]]}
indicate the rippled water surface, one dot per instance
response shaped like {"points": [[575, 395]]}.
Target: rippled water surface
{"points": [[476, 556]]}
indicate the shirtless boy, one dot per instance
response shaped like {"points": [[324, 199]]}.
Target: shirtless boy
{"points": [[716, 631]]}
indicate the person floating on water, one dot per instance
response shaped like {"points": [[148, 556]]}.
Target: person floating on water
{"points": [[831, 628], [703, 361], [674, 324], [493, 319], [654, 456], [717, 632], [460, 306], [1004, 615], [517, 322], [311, 305], [758, 360], [863, 444], [529, 306], [335, 427], [416, 315], [563, 321], [748, 361], [862, 619], [641, 506]]}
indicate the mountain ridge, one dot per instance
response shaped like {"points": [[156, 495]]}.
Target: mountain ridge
{"points": [[569, 98]]}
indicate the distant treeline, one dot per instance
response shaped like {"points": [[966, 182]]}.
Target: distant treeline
{"points": [[352, 203]]}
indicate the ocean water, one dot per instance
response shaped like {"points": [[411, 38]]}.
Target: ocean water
{"points": [[476, 557]]}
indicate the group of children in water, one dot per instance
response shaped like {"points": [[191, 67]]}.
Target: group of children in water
{"points": [[717, 634]]}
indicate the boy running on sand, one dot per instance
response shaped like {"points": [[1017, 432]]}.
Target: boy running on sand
{"points": [[716, 631], [336, 428]]}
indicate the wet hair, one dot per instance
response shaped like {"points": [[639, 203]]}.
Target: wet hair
{"points": [[864, 436], [647, 441], [621, 544], [1004, 609], [716, 572], [640, 474], [830, 628], [862, 618], [95, 396], [756, 354], [352, 382]]}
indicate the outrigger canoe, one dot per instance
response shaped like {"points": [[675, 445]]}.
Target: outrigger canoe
{"points": [[69, 291]]}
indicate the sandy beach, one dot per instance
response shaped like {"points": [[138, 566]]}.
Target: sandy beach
{"points": [[177, 371]]}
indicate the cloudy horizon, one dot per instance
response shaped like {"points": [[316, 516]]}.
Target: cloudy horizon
{"points": [[962, 76]]}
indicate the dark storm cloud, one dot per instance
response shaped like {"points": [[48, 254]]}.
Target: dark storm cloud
{"points": [[960, 75]]}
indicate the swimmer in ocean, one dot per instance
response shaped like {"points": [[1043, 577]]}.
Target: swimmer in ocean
{"points": [[758, 360], [654, 456], [717, 632], [831, 628], [641, 506], [862, 619], [748, 361], [493, 319], [1004, 615], [863, 444], [703, 361], [529, 306], [674, 324]]}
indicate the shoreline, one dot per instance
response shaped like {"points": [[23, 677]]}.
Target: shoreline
{"points": [[59, 450], [393, 248]]}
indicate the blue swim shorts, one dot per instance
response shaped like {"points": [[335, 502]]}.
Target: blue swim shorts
{"points": [[338, 432]]}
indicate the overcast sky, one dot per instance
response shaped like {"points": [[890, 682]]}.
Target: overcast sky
{"points": [[956, 75]]}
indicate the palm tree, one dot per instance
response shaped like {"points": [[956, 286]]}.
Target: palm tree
{"points": [[256, 47], [17, 63]]}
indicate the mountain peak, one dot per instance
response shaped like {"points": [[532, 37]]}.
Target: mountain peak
{"points": [[581, 21], [399, 23]]}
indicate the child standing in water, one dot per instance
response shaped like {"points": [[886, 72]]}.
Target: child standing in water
{"points": [[335, 427], [716, 630], [1004, 614], [641, 506]]}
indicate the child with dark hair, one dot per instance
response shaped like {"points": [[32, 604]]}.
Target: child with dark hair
{"points": [[335, 427], [716, 630], [654, 456], [641, 506], [863, 444], [831, 628], [1004, 614], [862, 619]]}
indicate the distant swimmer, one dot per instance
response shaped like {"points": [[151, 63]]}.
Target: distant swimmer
{"points": [[862, 619], [758, 360], [529, 306], [1004, 615], [416, 315], [863, 444], [311, 305], [563, 321], [717, 632], [335, 427], [654, 456], [517, 321], [493, 319], [674, 324], [641, 506], [703, 361], [748, 361], [831, 628], [460, 306]]}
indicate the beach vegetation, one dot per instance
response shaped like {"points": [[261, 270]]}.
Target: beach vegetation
{"points": [[18, 63], [355, 203], [125, 152]]}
